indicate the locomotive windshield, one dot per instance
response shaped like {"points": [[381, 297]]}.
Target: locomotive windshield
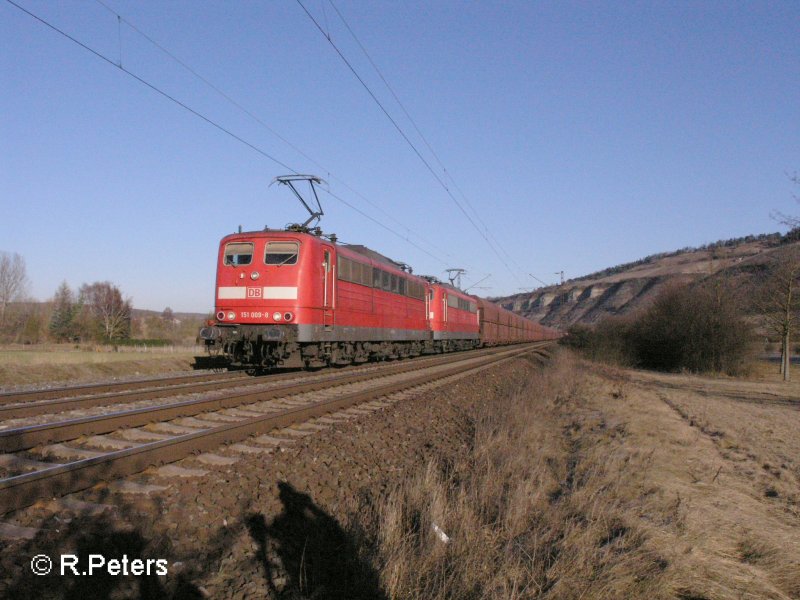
{"points": [[239, 253], [281, 253]]}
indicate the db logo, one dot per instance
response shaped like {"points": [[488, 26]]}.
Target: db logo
{"points": [[254, 292]]}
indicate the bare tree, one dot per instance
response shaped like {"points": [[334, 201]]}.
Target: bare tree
{"points": [[780, 301], [790, 221], [13, 281], [103, 300]]}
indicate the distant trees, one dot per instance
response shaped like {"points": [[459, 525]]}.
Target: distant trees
{"points": [[779, 301], [13, 281], [770, 239], [163, 326], [607, 341], [64, 324], [696, 328], [98, 312], [109, 313]]}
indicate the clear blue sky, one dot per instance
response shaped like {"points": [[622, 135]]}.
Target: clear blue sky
{"points": [[584, 134]]}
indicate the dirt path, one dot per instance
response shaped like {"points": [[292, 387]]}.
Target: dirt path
{"points": [[726, 454]]}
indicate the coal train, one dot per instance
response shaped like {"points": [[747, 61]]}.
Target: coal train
{"points": [[294, 298]]}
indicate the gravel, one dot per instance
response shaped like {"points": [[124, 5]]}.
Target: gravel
{"points": [[277, 524]]}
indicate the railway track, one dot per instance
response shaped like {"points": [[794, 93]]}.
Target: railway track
{"points": [[97, 389], [23, 405], [173, 387], [114, 445]]}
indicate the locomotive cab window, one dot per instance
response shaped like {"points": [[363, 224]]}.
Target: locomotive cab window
{"points": [[239, 253], [281, 253]]}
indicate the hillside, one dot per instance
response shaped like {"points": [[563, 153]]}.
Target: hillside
{"points": [[623, 289]]}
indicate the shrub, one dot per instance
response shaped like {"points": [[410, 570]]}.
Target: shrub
{"points": [[695, 328], [608, 341]]}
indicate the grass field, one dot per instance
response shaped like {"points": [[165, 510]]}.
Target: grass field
{"points": [[599, 482], [22, 365]]}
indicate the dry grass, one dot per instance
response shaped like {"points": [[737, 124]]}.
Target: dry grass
{"points": [[535, 509], [22, 365], [588, 485], [765, 370], [730, 450]]}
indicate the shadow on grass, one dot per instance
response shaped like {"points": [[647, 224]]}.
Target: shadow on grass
{"points": [[305, 553]]}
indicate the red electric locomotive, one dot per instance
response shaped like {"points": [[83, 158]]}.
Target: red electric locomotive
{"points": [[295, 298], [454, 318]]}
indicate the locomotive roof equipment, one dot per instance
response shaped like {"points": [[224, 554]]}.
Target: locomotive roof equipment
{"points": [[289, 180]]}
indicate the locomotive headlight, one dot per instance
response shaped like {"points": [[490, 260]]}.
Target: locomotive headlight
{"points": [[276, 316], [287, 316], [254, 275], [231, 315], [221, 315]]}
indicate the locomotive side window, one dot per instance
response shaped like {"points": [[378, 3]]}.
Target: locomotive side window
{"points": [[355, 272], [239, 253], [367, 275], [461, 303], [361, 274], [416, 290], [345, 269], [281, 253]]}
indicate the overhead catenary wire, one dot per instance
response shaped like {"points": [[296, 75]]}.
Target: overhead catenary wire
{"points": [[152, 86], [405, 111], [447, 173], [408, 140], [208, 120], [274, 132], [388, 86]]}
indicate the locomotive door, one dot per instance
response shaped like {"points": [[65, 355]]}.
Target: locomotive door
{"points": [[328, 288]]}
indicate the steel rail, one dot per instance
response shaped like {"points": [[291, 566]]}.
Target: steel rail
{"points": [[23, 490], [54, 400], [108, 388], [23, 438], [32, 409]]}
